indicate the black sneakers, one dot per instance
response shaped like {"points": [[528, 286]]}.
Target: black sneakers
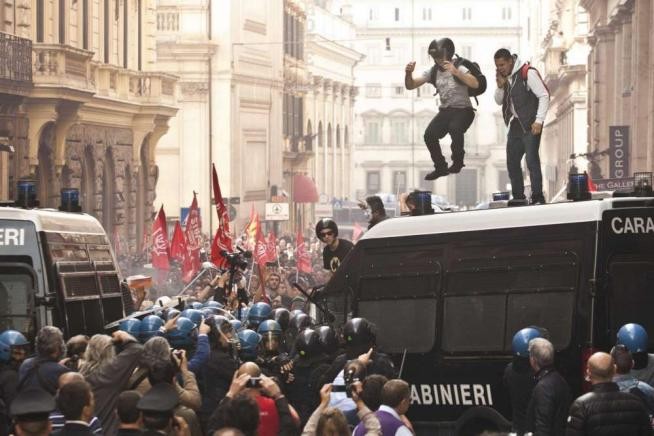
{"points": [[455, 168], [539, 199], [438, 172]]}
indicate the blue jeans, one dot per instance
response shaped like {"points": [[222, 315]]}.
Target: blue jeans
{"points": [[521, 143]]}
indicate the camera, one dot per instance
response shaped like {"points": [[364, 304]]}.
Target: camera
{"points": [[253, 382], [350, 377], [237, 259]]}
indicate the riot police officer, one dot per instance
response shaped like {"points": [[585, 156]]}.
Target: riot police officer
{"points": [[634, 337], [258, 313], [272, 361], [519, 377], [309, 365], [329, 344], [13, 351], [283, 318], [359, 335]]}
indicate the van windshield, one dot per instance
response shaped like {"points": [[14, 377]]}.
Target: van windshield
{"points": [[15, 294], [632, 293]]}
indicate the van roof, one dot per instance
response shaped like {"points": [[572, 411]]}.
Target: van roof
{"points": [[51, 220], [501, 218]]}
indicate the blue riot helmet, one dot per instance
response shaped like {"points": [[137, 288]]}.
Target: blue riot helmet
{"points": [[10, 339], [212, 303], [307, 344], [520, 343], [282, 316], [131, 326], [194, 315], [271, 333], [249, 344], [150, 327], [258, 313], [242, 314], [194, 305], [634, 337], [208, 312], [172, 313], [156, 310], [184, 334], [328, 340], [236, 324]]}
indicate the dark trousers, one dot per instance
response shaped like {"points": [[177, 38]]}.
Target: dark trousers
{"points": [[521, 143], [454, 121]]}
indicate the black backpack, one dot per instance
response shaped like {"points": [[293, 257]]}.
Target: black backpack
{"points": [[473, 68]]}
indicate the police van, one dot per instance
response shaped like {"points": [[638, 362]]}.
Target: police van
{"points": [[448, 291], [56, 268]]}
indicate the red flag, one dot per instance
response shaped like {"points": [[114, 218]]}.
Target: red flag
{"points": [[592, 187], [303, 257], [194, 234], [271, 246], [357, 232], [160, 247], [223, 215], [178, 244], [260, 248], [251, 229]]}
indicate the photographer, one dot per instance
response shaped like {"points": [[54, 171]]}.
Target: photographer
{"points": [[325, 421], [276, 416], [455, 114]]}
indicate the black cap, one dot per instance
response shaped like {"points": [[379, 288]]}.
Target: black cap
{"points": [[161, 398], [32, 404]]}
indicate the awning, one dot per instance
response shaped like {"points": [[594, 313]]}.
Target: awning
{"points": [[304, 189]]}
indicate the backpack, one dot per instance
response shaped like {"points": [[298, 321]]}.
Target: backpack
{"points": [[473, 68], [524, 71]]}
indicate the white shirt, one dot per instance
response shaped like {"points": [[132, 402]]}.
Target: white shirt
{"points": [[402, 431]]}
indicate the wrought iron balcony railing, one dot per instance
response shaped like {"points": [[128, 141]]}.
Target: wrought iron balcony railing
{"points": [[15, 58]]}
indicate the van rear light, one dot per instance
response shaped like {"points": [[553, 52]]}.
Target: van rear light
{"points": [[586, 352]]}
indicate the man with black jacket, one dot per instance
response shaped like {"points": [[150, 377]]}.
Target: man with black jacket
{"points": [[605, 411], [548, 406]]}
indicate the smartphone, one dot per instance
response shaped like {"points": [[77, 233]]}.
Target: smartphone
{"points": [[253, 382]]}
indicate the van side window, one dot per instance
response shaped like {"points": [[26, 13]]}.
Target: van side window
{"points": [[506, 289], [400, 297]]}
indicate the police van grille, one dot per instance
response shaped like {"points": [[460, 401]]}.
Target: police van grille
{"points": [[104, 266], [109, 284], [74, 267], [80, 286]]}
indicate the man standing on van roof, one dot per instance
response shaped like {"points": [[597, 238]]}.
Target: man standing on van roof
{"points": [[525, 100], [335, 248], [548, 406]]}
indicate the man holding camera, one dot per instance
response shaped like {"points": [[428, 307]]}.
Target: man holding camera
{"points": [[525, 100], [455, 114]]}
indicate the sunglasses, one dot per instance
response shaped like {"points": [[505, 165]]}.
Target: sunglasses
{"points": [[327, 233]]}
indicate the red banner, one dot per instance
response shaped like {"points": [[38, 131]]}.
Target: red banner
{"points": [[178, 244], [160, 247], [221, 209], [271, 246], [303, 257], [194, 235], [221, 242]]}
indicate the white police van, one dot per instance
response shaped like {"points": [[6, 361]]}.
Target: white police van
{"points": [[56, 268], [448, 291]]}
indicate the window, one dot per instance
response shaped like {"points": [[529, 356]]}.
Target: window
{"points": [[373, 132], [466, 187], [399, 181], [506, 13], [105, 30], [125, 35], [373, 14], [467, 14], [398, 90], [399, 131], [397, 14], [85, 24], [16, 287], [62, 22], [426, 14], [40, 20], [373, 90], [373, 182]]}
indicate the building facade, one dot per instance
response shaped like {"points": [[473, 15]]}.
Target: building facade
{"points": [[621, 85], [94, 108], [390, 155], [558, 40]]}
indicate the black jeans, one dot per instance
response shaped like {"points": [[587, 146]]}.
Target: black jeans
{"points": [[454, 121], [521, 143]]}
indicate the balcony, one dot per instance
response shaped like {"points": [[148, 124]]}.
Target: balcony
{"points": [[298, 149], [15, 65], [62, 68]]}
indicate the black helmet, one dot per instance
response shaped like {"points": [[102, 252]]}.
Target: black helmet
{"points": [[300, 322], [442, 48], [328, 339], [326, 223], [359, 332], [307, 344], [282, 316]]}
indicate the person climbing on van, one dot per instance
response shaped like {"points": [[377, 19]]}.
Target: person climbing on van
{"points": [[335, 248], [455, 80], [524, 99]]}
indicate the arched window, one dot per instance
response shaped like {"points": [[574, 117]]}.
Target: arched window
{"points": [[320, 137], [108, 193], [308, 143], [346, 138], [330, 140], [88, 181], [338, 136]]}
